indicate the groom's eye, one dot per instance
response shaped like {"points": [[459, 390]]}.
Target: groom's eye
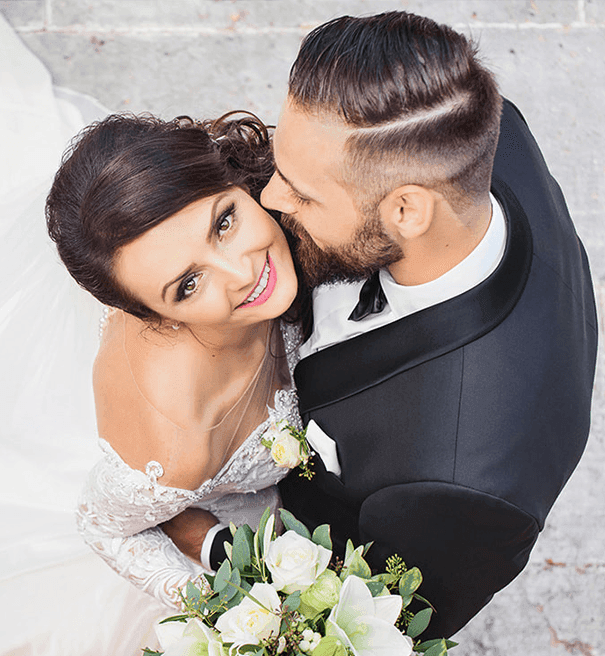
{"points": [[301, 200]]}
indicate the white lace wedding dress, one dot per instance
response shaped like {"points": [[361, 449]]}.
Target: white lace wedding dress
{"points": [[57, 598], [121, 507]]}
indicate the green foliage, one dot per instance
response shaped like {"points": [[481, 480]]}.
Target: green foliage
{"points": [[420, 622], [245, 565], [222, 576], [330, 646], [375, 587], [321, 536], [438, 649], [356, 565], [243, 548], [291, 602], [292, 524], [395, 566], [424, 646], [410, 582]]}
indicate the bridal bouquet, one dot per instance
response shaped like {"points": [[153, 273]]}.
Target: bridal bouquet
{"points": [[283, 595]]}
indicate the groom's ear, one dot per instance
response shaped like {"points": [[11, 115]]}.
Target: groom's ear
{"points": [[407, 211]]}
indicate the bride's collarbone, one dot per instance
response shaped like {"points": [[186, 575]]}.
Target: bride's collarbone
{"points": [[157, 404]]}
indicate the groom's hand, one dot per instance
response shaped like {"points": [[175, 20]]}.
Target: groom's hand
{"points": [[189, 529]]}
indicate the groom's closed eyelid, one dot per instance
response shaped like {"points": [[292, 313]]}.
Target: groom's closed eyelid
{"points": [[293, 190]]}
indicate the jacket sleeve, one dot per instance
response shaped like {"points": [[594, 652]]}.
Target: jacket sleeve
{"points": [[467, 544]]}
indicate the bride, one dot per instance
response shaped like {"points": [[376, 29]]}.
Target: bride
{"points": [[159, 221], [58, 598]]}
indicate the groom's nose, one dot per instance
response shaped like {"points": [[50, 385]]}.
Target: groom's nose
{"points": [[277, 196]]}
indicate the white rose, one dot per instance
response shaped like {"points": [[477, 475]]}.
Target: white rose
{"points": [[295, 562], [248, 623], [285, 450]]}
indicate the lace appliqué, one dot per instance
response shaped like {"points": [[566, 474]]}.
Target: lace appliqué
{"points": [[120, 507]]}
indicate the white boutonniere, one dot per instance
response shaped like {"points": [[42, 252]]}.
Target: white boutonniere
{"points": [[288, 446]]}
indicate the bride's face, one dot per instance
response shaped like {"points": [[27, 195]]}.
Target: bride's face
{"points": [[220, 263]]}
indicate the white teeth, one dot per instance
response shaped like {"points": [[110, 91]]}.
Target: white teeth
{"points": [[262, 284]]}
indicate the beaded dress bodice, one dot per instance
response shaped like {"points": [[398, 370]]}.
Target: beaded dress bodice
{"points": [[120, 507]]}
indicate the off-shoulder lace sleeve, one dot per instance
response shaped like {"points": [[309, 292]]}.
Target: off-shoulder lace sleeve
{"points": [[118, 514]]}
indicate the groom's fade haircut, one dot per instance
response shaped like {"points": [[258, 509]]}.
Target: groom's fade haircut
{"points": [[420, 106]]}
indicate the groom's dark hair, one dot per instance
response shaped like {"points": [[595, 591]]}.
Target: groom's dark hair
{"points": [[421, 107]]}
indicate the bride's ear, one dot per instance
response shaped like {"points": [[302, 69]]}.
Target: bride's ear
{"points": [[407, 212]]}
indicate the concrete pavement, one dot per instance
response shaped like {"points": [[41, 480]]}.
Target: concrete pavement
{"points": [[204, 57]]}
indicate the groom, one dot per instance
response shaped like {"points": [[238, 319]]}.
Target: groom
{"points": [[446, 385]]}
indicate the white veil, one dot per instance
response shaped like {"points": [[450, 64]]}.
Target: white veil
{"points": [[57, 598]]}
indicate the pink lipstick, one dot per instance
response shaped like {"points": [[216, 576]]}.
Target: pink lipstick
{"points": [[264, 287]]}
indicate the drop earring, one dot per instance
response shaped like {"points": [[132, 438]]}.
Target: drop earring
{"points": [[176, 326]]}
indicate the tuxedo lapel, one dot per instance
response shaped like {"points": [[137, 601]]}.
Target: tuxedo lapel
{"points": [[356, 364]]}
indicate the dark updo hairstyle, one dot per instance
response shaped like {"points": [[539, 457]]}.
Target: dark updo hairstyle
{"points": [[126, 174]]}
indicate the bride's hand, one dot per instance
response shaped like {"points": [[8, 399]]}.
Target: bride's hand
{"points": [[189, 529]]}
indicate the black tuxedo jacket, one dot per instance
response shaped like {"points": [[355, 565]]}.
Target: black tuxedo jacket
{"points": [[456, 427]]}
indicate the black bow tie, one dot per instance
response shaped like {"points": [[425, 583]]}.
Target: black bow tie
{"points": [[371, 299]]}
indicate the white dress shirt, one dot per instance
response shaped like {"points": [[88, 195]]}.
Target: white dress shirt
{"points": [[333, 303]]}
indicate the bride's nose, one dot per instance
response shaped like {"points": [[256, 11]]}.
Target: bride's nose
{"points": [[238, 271]]}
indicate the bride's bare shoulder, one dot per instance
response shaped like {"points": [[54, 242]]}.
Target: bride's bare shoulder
{"points": [[142, 383]]}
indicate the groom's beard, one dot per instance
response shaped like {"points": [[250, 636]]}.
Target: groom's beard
{"points": [[370, 249]]}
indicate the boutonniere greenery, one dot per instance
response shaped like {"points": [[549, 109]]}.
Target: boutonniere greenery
{"points": [[289, 447]]}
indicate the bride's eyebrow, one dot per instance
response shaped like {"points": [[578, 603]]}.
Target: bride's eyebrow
{"points": [[185, 273], [192, 267]]}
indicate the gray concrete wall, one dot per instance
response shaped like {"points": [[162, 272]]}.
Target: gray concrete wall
{"points": [[203, 57]]}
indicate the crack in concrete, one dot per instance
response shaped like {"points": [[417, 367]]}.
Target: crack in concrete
{"points": [[572, 647]]}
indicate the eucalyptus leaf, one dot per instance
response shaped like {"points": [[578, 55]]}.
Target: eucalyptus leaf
{"points": [[193, 592], [236, 600], [222, 576], [260, 533], [242, 547], [321, 536], [420, 622], [407, 600], [231, 589], [424, 601], [349, 549], [410, 582], [375, 587], [440, 649], [292, 524], [427, 644], [291, 602], [385, 578], [357, 566]]}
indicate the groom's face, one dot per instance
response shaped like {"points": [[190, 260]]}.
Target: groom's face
{"points": [[335, 241], [307, 183]]}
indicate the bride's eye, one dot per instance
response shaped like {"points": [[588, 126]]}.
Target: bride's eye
{"points": [[188, 286], [225, 221]]}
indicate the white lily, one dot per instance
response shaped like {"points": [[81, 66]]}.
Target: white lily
{"points": [[191, 639], [365, 624]]}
